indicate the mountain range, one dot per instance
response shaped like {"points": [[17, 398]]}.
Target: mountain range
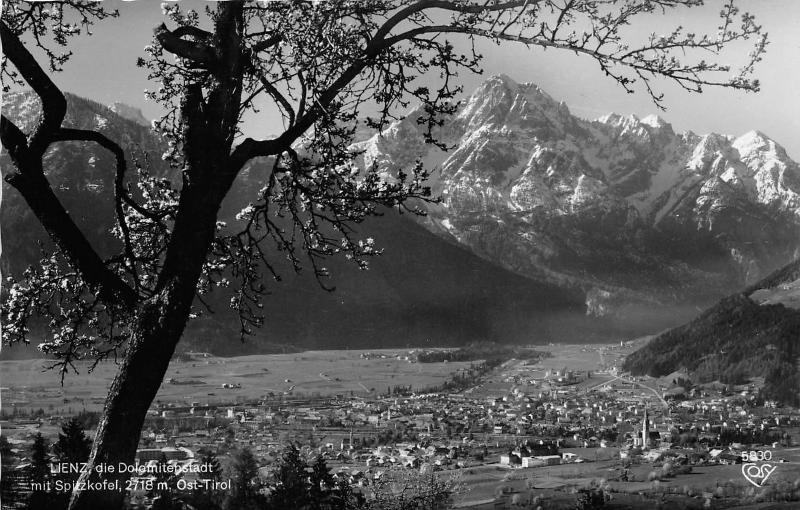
{"points": [[550, 227], [638, 218], [424, 289]]}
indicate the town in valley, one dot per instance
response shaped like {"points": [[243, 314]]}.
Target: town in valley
{"points": [[539, 426]]}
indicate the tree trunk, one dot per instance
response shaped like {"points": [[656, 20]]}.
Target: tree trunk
{"points": [[155, 335], [157, 328], [209, 127]]}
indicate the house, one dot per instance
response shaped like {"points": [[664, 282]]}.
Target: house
{"points": [[549, 460], [530, 462], [727, 458]]}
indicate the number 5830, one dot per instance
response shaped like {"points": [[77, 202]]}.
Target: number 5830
{"points": [[756, 456]]}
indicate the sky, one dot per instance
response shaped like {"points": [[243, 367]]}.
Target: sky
{"points": [[103, 68]]}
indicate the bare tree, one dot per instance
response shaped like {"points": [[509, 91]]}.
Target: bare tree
{"points": [[322, 65]]}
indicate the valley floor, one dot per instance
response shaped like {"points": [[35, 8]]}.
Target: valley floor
{"points": [[522, 433]]}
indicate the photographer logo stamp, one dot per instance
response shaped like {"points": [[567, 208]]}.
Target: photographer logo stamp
{"points": [[757, 474]]}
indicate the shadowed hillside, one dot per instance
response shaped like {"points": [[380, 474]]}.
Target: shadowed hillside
{"points": [[751, 334], [422, 291]]}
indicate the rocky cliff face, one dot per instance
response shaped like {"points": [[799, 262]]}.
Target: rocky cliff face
{"points": [[129, 112], [626, 209]]}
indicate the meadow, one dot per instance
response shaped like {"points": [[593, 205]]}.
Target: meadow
{"points": [[200, 378]]}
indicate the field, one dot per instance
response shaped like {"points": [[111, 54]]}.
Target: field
{"points": [[786, 294], [594, 360], [555, 484], [26, 385]]}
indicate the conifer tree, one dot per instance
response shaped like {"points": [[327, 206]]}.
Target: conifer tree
{"points": [[40, 459], [39, 473], [291, 480], [245, 484], [207, 498], [73, 445]]}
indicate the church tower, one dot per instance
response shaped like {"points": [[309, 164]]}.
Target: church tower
{"points": [[645, 434]]}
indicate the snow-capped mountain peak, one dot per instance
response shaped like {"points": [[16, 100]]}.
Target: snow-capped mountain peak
{"points": [[596, 203], [755, 143], [656, 122]]}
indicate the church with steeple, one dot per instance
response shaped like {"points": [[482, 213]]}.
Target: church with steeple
{"points": [[645, 432]]}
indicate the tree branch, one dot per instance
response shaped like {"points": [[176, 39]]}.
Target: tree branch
{"points": [[54, 105], [196, 52], [13, 138], [640, 62], [196, 32], [65, 134], [464, 8], [266, 43], [36, 190], [272, 91], [31, 182]]}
